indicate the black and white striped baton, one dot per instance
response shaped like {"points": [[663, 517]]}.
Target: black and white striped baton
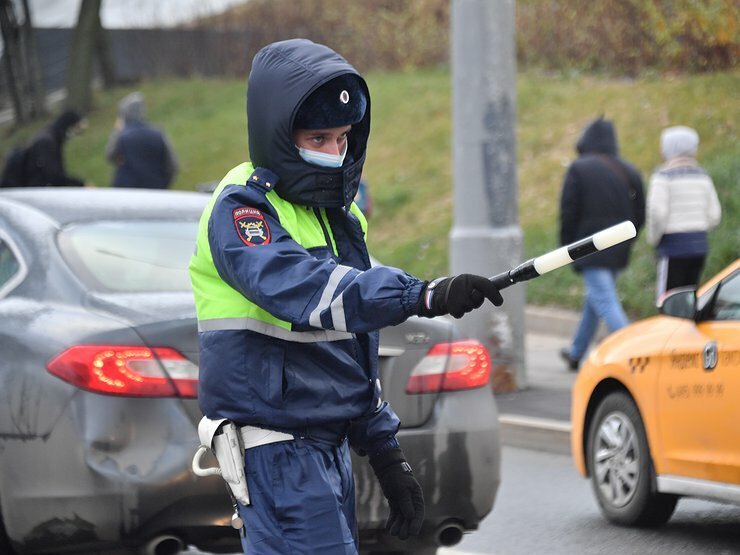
{"points": [[565, 255]]}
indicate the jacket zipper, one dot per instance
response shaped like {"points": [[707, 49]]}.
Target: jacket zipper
{"points": [[327, 237]]}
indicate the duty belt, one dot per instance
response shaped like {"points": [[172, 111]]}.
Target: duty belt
{"points": [[253, 436], [229, 441], [332, 433]]}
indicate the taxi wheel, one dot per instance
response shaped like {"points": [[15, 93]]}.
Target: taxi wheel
{"points": [[622, 473]]}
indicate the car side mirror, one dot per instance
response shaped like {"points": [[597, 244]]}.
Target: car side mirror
{"points": [[679, 303]]}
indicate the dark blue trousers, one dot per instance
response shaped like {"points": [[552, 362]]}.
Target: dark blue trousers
{"points": [[303, 500]]}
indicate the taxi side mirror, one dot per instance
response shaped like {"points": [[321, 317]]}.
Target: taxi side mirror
{"points": [[679, 303]]}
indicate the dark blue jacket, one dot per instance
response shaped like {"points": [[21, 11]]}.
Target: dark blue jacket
{"points": [[143, 157]]}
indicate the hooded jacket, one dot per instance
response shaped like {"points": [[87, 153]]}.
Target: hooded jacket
{"points": [[283, 75], [600, 190], [142, 154], [44, 160], [288, 304]]}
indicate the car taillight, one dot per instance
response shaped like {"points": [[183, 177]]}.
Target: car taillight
{"points": [[127, 370], [451, 367]]}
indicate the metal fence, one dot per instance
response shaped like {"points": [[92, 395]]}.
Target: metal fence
{"points": [[147, 53]]}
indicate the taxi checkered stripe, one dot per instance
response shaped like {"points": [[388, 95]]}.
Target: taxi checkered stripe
{"points": [[638, 364]]}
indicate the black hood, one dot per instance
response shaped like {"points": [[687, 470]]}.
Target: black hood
{"points": [[598, 137], [59, 127], [283, 75]]}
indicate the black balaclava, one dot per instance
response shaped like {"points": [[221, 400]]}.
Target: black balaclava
{"points": [[284, 76]]}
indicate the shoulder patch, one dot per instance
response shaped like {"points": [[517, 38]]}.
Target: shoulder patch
{"points": [[251, 226]]}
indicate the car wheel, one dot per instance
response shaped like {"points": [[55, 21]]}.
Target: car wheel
{"points": [[622, 473]]}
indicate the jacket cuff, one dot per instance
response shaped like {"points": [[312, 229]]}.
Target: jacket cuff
{"points": [[411, 296], [383, 446], [371, 431]]}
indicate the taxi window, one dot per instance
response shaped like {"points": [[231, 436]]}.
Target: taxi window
{"points": [[726, 305]]}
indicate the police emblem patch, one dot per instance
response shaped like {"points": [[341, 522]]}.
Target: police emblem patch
{"points": [[251, 226]]}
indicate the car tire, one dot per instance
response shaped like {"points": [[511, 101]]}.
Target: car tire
{"points": [[621, 468]]}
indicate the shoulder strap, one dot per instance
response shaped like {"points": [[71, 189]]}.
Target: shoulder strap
{"points": [[618, 169], [263, 179]]}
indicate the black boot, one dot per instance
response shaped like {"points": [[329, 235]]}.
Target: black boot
{"points": [[570, 361]]}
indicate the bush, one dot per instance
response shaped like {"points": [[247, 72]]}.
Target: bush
{"points": [[373, 34], [622, 38], [630, 36]]}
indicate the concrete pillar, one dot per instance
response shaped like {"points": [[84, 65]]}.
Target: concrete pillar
{"points": [[486, 238]]}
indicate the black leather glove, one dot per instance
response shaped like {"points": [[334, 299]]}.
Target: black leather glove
{"points": [[402, 491], [457, 295]]}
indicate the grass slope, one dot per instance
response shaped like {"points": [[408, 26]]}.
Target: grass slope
{"points": [[409, 165], [409, 158]]}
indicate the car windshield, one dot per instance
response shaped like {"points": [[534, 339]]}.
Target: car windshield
{"points": [[130, 256]]}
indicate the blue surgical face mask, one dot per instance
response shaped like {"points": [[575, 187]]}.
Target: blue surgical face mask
{"points": [[322, 158]]}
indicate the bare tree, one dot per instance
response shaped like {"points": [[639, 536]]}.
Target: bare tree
{"points": [[21, 62], [82, 57], [89, 45], [31, 60], [104, 54]]}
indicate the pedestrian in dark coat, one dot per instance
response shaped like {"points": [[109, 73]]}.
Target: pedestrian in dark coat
{"points": [[141, 153], [44, 161], [600, 190]]}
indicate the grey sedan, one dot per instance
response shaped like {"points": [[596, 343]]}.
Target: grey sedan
{"points": [[98, 389]]}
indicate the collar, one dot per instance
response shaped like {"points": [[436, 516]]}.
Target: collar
{"points": [[680, 162]]}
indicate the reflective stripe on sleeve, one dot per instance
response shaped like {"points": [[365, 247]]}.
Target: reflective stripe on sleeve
{"points": [[337, 313], [236, 324], [326, 297]]}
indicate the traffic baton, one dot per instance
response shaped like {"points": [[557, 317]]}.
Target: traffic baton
{"points": [[563, 256]]}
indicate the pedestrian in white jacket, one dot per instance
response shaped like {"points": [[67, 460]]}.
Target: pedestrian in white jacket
{"points": [[682, 206]]}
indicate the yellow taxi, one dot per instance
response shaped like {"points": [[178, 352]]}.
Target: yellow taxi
{"points": [[656, 407]]}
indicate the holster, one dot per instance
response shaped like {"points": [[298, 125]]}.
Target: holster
{"points": [[224, 439]]}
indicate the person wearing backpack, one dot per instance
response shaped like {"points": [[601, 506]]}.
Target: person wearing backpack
{"points": [[600, 189]]}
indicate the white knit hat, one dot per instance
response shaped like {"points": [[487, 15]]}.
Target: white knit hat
{"points": [[678, 141]]}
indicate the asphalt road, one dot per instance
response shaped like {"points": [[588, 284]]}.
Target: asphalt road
{"points": [[545, 507]]}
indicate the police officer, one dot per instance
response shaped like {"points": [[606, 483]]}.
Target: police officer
{"points": [[289, 307]]}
